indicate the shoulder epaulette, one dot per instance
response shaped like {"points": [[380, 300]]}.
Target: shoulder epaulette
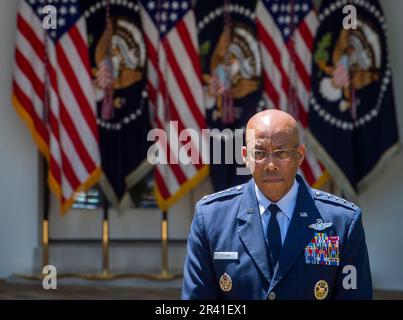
{"points": [[328, 197], [224, 193]]}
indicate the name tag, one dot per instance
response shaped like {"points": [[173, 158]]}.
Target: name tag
{"points": [[225, 255]]}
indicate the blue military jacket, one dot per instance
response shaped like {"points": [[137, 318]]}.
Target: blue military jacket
{"points": [[227, 254]]}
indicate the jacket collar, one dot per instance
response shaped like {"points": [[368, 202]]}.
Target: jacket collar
{"points": [[286, 203]]}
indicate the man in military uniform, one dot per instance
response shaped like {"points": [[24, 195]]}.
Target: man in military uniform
{"points": [[259, 240]]}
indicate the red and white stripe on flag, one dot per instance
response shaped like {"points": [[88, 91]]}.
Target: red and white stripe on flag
{"points": [[175, 94], [286, 31], [53, 92]]}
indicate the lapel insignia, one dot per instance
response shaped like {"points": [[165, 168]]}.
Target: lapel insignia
{"points": [[321, 290], [323, 249], [225, 282], [303, 214], [320, 225]]}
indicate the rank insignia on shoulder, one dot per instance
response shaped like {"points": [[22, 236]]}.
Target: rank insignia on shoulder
{"points": [[323, 250], [321, 290], [227, 192], [225, 282], [320, 225]]}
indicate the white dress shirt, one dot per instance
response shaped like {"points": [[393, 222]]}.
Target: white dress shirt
{"points": [[286, 205]]}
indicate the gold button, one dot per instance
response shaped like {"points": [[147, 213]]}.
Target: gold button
{"points": [[272, 295]]}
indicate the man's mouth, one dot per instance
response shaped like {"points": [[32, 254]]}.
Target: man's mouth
{"points": [[273, 180]]}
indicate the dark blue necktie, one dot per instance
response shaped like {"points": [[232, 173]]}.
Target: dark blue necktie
{"points": [[273, 235]]}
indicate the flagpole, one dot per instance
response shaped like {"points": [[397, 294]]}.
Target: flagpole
{"points": [[105, 273], [105, 237], [45, 167], [45, 218], [167, 115], [164, 246]]}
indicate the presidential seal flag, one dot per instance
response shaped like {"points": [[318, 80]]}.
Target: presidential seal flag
{"points": [[286, 31], [175, 96], [352, 117], [118, 69], [53, 93], [231, 67]]}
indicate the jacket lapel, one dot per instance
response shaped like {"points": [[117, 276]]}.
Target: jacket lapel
{"points": [[298, 234], [250, 230]]}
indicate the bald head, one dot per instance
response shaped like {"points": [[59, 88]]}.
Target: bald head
{"points": [[273, 132], [272, 122]]}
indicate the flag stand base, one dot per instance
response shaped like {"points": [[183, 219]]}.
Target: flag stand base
{"points": [[104, 276], [164, 275]]}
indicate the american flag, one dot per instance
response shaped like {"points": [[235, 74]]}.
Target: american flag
{"points": [[341, 77], [286, 30], [175, 93], [53, 92]]}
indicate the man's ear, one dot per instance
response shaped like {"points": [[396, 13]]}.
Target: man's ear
{"points": [[244, 156], [301, 153]]}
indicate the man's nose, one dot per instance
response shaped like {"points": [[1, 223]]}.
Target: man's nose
{"points": [[271, 163]]}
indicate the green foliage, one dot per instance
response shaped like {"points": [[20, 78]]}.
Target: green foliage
{"points": [[205, 48], [322, 53]]}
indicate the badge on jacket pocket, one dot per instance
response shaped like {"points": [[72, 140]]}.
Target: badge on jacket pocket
{"points": [[323, 250], [321, 290], [225, 282]]}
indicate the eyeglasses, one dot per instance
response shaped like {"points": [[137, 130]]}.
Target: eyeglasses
{"points": [[280, 154]]}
